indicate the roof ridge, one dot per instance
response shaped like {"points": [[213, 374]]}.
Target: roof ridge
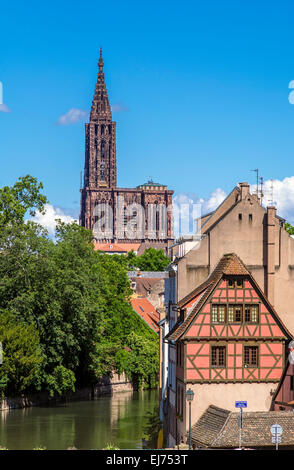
{"points": [[222, 428]]}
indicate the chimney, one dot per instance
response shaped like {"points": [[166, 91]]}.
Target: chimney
{"points": [[270, 263], [244, 190]]}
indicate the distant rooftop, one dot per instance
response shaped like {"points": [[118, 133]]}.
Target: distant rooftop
{"points": [[151, 185]]}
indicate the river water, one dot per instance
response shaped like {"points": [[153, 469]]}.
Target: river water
{"points": [[118, 419]]}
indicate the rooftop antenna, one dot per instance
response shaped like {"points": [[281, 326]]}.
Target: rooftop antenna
{"points": [[257, 181]]}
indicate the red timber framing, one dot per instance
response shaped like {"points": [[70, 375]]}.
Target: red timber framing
{"points": [[228, 330]]}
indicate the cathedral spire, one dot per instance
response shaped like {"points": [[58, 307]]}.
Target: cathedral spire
{"points": [[100, 105], [100, 61]]}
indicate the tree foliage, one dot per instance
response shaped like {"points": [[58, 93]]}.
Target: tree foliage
{"points": [[22, 356], [289, 228], [140, 361], [151, 260], [66, 306], [24, 196]]}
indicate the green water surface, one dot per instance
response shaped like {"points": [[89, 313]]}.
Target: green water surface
{"points": [[116, 419]]}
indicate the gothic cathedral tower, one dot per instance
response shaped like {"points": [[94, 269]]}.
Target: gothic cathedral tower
{"points": [[100, 189], [100, 168]]}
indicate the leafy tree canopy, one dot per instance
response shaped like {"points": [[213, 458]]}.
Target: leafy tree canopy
{"points": [[24, 196], [289, 228], [66, 306]]}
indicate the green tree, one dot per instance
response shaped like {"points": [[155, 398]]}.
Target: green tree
{"points": [[289, 228], [22, 356], [56, 288], [24, 196], [60, 382], [141, 360], [74, 298], [152, 260]]}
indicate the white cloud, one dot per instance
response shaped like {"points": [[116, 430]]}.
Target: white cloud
{"points": [[48, 220], [118, 108], [215, 199], [72, 116], [4, 108], [187, 207], [280, 193]]}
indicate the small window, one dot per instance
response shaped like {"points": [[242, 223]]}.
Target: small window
{"points": [[235, 283], [218, 356], [218, 313], [180, 352], [250, 218], [235, 313], [231, 283], [251, 356], [240, 216], [251, 313]]}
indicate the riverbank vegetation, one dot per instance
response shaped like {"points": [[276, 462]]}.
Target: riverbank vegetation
{"points": [[65, 316]]}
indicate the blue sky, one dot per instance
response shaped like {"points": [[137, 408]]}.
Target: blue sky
{"points": [[203, 86]]}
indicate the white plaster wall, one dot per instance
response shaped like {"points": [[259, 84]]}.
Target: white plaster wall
{"points": [[257, 395]]}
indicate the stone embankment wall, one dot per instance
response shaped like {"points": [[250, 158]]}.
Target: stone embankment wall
{"points": [[107, 386]]}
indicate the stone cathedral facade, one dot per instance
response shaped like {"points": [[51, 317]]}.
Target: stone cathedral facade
{"points": [[121, 218]]}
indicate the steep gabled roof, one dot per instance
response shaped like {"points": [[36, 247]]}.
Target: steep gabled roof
{"points": [[228, 264], [146, 311], [225, 206], [231, 265]]}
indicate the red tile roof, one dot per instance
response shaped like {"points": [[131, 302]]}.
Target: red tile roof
{"points": [[147, 312], [116, 247]]}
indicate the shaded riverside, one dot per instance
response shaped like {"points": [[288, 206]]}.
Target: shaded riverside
{"points": [[66, 320], [118, 420]]}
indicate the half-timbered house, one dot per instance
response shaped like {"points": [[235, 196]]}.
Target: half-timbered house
{"points": [[230, 345]]}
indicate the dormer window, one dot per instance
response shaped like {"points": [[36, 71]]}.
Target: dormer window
{"points": [[239, 283], [232, 283]]}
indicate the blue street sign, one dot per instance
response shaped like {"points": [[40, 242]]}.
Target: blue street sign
{"points": [[241, 404]]}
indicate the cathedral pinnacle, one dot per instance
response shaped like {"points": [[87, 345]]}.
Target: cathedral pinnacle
{"points": [[100, 104], [100, 61]]}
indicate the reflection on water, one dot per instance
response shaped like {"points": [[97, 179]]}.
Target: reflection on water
{"points": [[116, 419]]}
